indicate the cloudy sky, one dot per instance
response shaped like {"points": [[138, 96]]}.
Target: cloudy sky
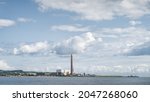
{"points": [[107, 37]]}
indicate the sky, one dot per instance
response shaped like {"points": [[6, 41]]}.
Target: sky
{"points": [[106, 37]]}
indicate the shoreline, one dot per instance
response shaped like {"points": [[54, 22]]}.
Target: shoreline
{"points": [[77, 76]]}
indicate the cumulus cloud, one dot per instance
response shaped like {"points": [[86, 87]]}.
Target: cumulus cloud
{"points": [[4, 65], [70, 28], [73, 45], [6, 23], [76, 44], [99, 9], [31, 48], [118, 41], [105, 42]]}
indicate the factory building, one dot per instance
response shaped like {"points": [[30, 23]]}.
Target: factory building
{"points": [[60, 72]]}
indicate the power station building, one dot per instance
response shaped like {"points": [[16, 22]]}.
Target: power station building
{"points": [[60, 72]]}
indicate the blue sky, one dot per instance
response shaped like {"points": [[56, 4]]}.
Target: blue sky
{"points": [[106, 37]]}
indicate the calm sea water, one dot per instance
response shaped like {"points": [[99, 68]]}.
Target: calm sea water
{"points": [[74, 80]]}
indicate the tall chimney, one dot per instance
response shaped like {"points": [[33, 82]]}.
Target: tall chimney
{"points": [[71, 70]]}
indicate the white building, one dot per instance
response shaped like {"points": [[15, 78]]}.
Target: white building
{"points": [[66, 72]]}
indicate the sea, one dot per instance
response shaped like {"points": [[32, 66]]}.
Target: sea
{"points": [[44, 80]]}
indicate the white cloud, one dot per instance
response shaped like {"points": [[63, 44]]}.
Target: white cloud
{"points": [[105, 42], [76, 44], [6, 23], [118, 41], [70, 28], [133, 22], [135, 8], [99, 9], [31, 48], [4, 65], [24, 20]]}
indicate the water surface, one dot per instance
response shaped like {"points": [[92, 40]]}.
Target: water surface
{"points": [[74, 80]]}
